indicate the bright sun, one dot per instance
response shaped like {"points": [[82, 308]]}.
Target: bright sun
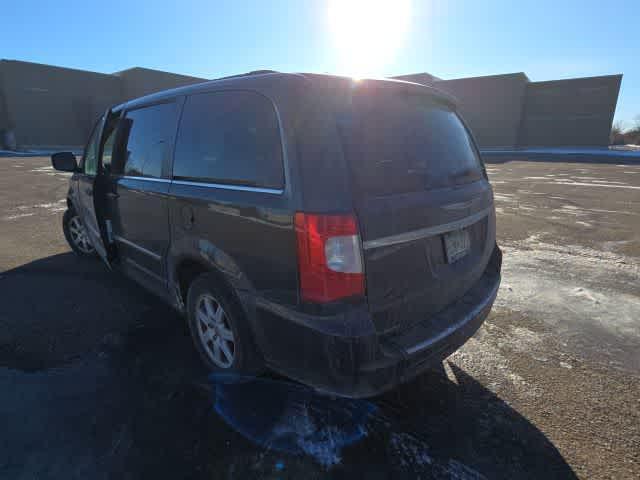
{"points": [[367, 33]]}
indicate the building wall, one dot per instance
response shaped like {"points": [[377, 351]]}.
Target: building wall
{"points": [[492, 106], [510, 111], [48, 105], [576, 112], [44, 105], [137, 82], [6, 135]]}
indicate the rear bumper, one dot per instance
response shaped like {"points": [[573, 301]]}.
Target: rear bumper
{"points": [[343, 355]]}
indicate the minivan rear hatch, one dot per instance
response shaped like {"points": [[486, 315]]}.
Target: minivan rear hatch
{"points": [[423, 202]]}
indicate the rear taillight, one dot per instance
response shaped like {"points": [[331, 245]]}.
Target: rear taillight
{"points": [[329, 257]]}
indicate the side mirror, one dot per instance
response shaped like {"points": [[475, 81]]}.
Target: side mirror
{"points": [[64, 161]]}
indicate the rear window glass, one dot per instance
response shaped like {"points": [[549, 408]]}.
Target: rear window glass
{"points": [[399, 142]]}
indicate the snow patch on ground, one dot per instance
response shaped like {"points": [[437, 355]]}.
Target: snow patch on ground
{"points": [[613, 245], [570, 210], [489, 345], [579, 211], [595, 179], [49, 170], [51, 207], [607, 185], [600, 210], [568, 284], [409, 450], [527, 208], [412, 454], [504, 197], [524, 340], [16, 216], [630, 151], [322, 442], [584, 224], [51, 204]]}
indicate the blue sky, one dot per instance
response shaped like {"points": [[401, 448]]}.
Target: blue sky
{"points": [[450, 39]]}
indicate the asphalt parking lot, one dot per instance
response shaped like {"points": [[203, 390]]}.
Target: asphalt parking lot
{"points": [[98, 379]]}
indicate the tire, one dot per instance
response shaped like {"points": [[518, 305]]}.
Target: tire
{"points": [[216, 335], [76, 234]]}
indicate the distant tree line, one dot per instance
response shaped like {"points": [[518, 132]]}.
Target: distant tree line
{"points": [[626, 136]]}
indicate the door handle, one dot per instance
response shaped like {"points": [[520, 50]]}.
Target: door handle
{"points": [[112, 195]]}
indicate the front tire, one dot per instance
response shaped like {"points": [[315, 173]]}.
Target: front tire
{"points": [[76, 234], [219, 328]]}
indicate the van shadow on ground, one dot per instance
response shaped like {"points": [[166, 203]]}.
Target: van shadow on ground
{"points": [[100, 380]]}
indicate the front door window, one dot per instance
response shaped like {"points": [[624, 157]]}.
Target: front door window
{"points": [[90, 158]]}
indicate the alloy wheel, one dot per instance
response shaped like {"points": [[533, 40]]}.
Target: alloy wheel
{"points": [[79, 235], [214, 331]]}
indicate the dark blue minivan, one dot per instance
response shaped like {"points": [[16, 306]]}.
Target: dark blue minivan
{"points": [[338, 231]]}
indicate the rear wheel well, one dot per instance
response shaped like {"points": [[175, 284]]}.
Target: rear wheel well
{"points": [[188, 270]]}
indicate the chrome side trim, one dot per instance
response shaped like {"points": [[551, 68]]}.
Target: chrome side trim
{"points": [[224, 186], [153, 255], [426, 232], [146, 179], [489, 299]]}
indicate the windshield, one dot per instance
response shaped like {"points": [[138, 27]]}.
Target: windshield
{"points": [[398, 142]]}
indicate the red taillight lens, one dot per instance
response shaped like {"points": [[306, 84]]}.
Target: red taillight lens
{"points": [[329, 257]]}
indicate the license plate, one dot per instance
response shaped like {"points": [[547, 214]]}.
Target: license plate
{"points": [[456, 245]]}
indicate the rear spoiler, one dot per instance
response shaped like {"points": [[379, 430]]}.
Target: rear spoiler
{"points": [[414, 87], [334, 82]]}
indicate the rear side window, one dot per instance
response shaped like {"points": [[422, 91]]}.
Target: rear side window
{"points": [[150, 135], [398, 142], [230, 138]]}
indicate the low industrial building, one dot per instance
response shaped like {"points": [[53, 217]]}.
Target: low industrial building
{"points": [[44, 106], [510, 111]]}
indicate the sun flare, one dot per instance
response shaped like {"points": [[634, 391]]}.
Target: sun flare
{"points": [[367, 34]]}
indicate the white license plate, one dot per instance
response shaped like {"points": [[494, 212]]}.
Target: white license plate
{"points": [[456, 245]]}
